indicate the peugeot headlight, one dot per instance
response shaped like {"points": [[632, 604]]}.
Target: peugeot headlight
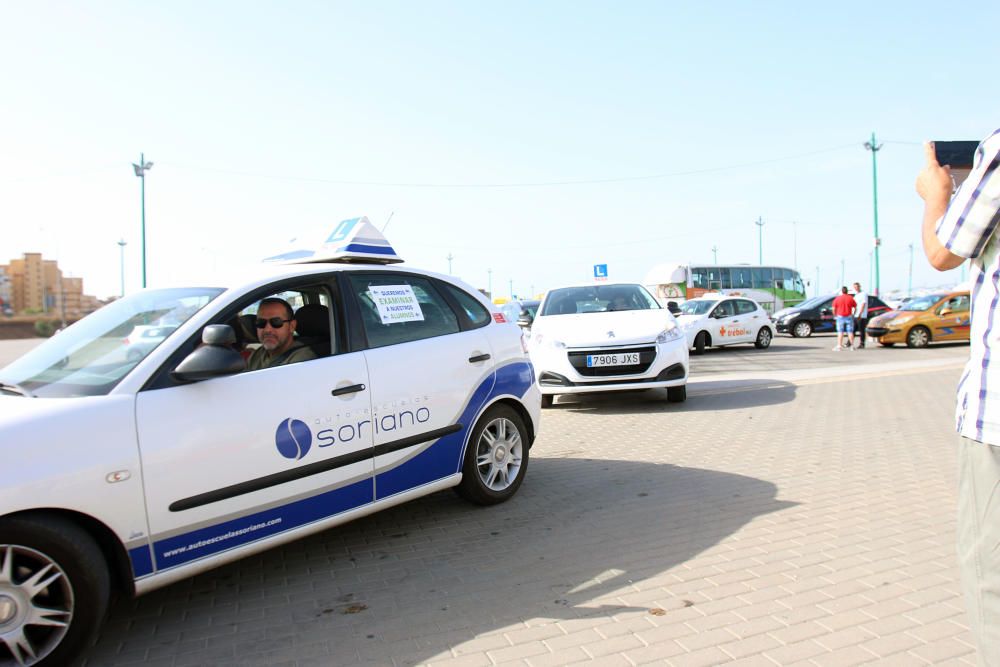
{"points": [[902, 320], [669, 334], [551, 342]]}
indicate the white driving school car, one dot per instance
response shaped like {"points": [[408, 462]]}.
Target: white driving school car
{"points": [[135, 472], [714, 320], [606, 337]]}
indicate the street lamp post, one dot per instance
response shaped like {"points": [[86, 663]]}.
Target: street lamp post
{"points": [[715, 256], [449, 258], [489, 289], [121, 246], [140, 171], [760, 240], [874, 148]]}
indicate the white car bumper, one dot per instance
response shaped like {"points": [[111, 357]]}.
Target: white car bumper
{"points": [[565, 371]]}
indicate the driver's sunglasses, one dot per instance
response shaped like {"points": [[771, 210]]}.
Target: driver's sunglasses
{"points": [[275, 322]]}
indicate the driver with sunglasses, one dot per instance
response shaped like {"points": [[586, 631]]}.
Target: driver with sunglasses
{"points": [[275, 331]]}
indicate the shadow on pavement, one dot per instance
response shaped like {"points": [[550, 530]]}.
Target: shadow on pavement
{"points": [[421, 579], [703, 395]]}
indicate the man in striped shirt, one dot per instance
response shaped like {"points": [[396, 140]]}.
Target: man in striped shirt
{"points": [[956, 229]]}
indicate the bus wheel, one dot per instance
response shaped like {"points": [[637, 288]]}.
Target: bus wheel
{"points": [[700, 342]]}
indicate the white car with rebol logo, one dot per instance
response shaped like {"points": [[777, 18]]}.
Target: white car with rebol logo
{"points": [[607, 337], [137, 472], [714, 320]]}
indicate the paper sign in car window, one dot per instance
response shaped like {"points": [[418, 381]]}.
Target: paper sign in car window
{"points": [[396, 303]]}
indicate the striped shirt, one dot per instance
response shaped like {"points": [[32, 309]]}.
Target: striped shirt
{"points": [[967, 230]]}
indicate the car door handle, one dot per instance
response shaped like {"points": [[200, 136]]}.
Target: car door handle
{"points": [[479, 357], [352, 389]]}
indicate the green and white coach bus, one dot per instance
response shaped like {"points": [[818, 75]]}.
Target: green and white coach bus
{"points": [[773, 287]]}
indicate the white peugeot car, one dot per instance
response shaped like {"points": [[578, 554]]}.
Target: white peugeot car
{"points": [[604, 338], [714, 320], [134, 473]]}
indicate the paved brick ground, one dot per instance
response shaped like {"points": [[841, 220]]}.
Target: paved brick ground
{"points": [[794, 523]]}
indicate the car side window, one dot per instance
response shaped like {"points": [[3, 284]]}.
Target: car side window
{"points": [[745, 307], [398, 308], [478, 315], [312, 310], [959, 303], [724, 309]]}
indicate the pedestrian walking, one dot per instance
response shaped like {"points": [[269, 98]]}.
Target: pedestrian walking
{"points": [[843, 309], [955, 229], [860, 313]]}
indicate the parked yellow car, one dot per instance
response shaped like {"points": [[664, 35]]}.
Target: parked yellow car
{"points": [[925, 319]]}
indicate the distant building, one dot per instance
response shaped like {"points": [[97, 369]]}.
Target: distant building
{"points": [[31, 284]]}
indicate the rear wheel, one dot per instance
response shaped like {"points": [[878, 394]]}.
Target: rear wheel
{"points": [[677, 394], [918, 337], [700, 342], [802, 329], [54, 590], [496, 458], [763, 339]]}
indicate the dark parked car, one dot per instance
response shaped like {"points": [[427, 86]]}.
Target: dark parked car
{"points": [[816, 315], [515, 311]]}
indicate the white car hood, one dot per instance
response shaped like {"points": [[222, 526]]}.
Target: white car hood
{"points": [[591, 329], [685, 320]]}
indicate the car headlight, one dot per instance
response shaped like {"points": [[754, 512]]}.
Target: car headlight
{"points": [[669, 334], [902, 320], [551, 342]]}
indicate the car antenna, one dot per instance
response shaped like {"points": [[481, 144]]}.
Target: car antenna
{"points": [[387, 220]]}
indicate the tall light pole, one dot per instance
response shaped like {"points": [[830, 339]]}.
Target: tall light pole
{"points": [[841, 274], [874, 148], [795, 247], [511, 289], [121, 246], [817, 282], [489, 290], [449, 258], [715, 256], [760, 240], [909, 280], [140, 171]]}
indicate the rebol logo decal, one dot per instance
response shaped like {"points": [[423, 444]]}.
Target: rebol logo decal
{"points": [[293, 438]]}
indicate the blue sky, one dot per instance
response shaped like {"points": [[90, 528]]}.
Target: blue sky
{"points": [[530, 139]]}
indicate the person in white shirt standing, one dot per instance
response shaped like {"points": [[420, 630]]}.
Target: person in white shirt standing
{"points": [[955, 229], [861, 313]]}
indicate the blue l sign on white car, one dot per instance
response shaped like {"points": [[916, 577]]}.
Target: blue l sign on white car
{"points": [[600, 271], [154, 463]]}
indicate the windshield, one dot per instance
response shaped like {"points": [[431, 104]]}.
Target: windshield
{"points": [[92, 356], [811, 303], [921, 302], [696, 307], [598, 299]]}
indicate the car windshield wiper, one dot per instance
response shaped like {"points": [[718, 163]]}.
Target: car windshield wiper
{"points": [[17, 389]]}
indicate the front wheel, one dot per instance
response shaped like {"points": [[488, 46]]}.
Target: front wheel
{"points": [[700, 342], [677, 394], [54, 590], [496, 458], [763, 339], [918, 337], [802, 329]]}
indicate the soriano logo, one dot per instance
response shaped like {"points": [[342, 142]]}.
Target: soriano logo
{"points": [[293, 438]]}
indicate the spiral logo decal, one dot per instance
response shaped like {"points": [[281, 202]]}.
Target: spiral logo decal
{"points": [[293, 439]]}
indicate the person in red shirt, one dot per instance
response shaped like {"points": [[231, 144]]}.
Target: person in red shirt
{"points": [[843, 308]]}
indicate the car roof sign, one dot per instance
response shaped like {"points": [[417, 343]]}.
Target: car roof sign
{"points": [[352, 240]]}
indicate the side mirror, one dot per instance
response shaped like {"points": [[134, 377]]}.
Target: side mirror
{"points": [[826, 311], [215, 357], [944, 311], [525, 320]]}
